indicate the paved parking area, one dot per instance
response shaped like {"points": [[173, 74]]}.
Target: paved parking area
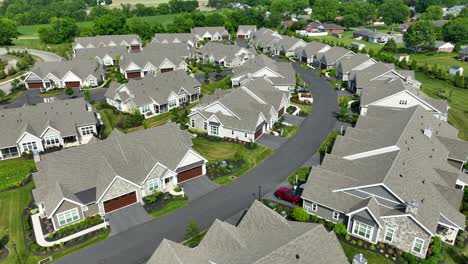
{"points": [[198, 187], [270, 141], [293, 119], [270, 196], [127, 218]]}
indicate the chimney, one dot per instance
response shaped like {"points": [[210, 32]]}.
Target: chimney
{"points": [[412, 207], [428, 132]]}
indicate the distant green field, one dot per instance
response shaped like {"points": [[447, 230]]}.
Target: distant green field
{"points": [[443, 60], [348, 38], [31, 32]]}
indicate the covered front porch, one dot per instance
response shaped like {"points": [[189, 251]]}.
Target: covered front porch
{"points": [[447, 233], [9, 152]]}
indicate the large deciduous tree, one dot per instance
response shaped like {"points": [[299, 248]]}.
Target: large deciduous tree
{"points": [[8, 31], [140, 27], [60, 30], [394, 11], [433, 13], [110, 24], [420, 35], [326, 10], [422, 5], [456, 30]]}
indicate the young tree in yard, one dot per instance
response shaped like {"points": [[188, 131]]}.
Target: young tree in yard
{"points": [[433, 13], [390, 46], [8, 31], [110, 24], [69, 91], [326, 10], [463, 12], [158, 28], [192, 229], [298, 6], [87, 95], [140, 27], [340, 229], [300, 214], [456, 30], [420, 35], [459, 80], [60, 30], [394, 11]]}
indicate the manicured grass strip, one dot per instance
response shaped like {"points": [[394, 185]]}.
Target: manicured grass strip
{"points": [[304, 107], [458, 98], [13, 172], [302, 175], [210, 87], [10, 97], [371, 257], [195, 240], [51, 93], [223, 180], [327, 144], [171, 206], [109, 119], [290, 131], [443, 60], [88, 243], [455, 255]]}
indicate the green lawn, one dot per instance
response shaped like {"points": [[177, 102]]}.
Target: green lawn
{"points": [[52, 92], [171, 206], [31, 31], [347, 39], [217, 150], [455, 255], [327, 144], [303, 107], [8, 98], [458, 98], [14, 171], [443, 60], [195, 240], [371, 257], [108, 118], [290, 131], [302, 175], [210, 87]]}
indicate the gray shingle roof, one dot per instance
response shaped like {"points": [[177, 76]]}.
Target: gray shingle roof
{"points": [[221, 51], [212, 30], [349, 63], [63, 115], [131, 156], [106, 39], [81, 67], [173, 38], [312, 48], [263, 236], [243, 29], [284, 69], [154, 88], [114, 52], [156, 54], [264, 37], [416, 170], [334, 54]]}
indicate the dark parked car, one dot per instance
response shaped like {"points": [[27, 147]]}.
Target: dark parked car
{"points": [[287, 194]]}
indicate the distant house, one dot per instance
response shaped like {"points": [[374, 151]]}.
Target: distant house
{"points": [[402, 57], [262, 236], [463, 54], [104, 55], [456, 70], [280, 74], [219, 54], [244, 114], [439, 23], [74, 73], [370, 36], [442, 46], [286, 46], [154, 95], [404, 27], [131, 42], [246, 31], [453, 11], [210, 33], [155, 59], [330, 58], [174, 38], [350, 63], [330, 28], [53, 125], [308, 53], [359, 46], [264, 38]]}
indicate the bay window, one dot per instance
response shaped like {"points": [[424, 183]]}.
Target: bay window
{"points": [[362, 230], [68, 217]]}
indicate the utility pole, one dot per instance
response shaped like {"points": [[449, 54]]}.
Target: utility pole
{"points": [[16, 252]]}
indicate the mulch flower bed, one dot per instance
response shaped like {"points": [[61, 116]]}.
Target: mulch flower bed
{"points": [[65, 231], [224, 168], [161, 200]]}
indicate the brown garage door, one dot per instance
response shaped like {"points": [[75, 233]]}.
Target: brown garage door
{"points": [[72, 84], [241, 36], [133, 75], [189, 174], [135, 47], [167, 70], [258, 133], [35, 85], [226, 37], [281, 112], [119, 202]]}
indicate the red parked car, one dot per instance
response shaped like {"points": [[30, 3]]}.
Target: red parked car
{"points": [[290, 195]]}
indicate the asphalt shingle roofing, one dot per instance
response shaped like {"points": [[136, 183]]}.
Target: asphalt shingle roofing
{"points": [[156, 54], [284, 69], [414, 168], [131, 156], [221, 51], [62, 115], [263, 236], [81, 67], [106, 40]]}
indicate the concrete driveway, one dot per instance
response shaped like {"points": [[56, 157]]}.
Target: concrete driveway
{"points": [[270, 141], [198, 187], [293, 119], [126, 218]]}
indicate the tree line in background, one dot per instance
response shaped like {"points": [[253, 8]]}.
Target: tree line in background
{"points": [[32, 12]]}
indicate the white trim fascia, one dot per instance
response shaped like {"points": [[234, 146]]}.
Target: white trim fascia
{"points": [[373, 195], [45, 130], [132, 63], [368, 210], [368, 197], [152, 169], [22, 136], [322, 205], [197, 112], [168, 60], [370, 185], [451, 222], [371, 153], [68, 72], [193, 152], [258, 99], [269, 70], [413, 218], [29, 74], [410, 94], [227, 109], [169, 173], [112, 182], [60, 203], [214, 115]]}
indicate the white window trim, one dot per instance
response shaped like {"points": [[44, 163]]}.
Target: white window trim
{"points": [[414, 243], [87, 130], [193, 123], [314, 207], [393, 233], [65, 218], [336, 215], [357, 233], [151, 184], [52, 139]]}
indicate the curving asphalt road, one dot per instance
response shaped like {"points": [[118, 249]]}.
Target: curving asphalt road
{"points": [[137, 244], [44, 55]]}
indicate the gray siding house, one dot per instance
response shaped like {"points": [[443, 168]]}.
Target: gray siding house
{"points": [[390, 179]]}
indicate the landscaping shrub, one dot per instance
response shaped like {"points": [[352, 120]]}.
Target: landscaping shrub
{"points": [[409, 258], [300, 214], [74, 228], [69, 91], [192, 229], [353, 242], [314, 218], [329, 224], [359, 243], [151, 199], [340, 229], [347, 237], [372, 247]]}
